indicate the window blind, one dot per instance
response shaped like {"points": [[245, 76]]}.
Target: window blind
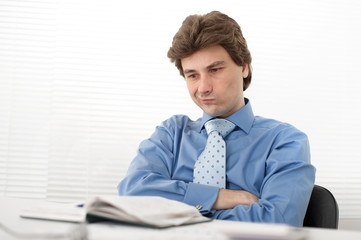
{"points": [[26, 68], [82, 83]]}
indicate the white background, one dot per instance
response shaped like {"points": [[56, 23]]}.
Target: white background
{"points": [[83, 82]]}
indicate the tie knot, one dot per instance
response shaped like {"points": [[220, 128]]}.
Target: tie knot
{"points": [[223, 126]]}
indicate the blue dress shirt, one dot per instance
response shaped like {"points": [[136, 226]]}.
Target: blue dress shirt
{"points": [[265, 157]]}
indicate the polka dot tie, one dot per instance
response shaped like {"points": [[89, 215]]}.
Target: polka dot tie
{"points": [[210, 167]]}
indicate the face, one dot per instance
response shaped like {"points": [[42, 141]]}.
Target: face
{"points": [[215, 81]]}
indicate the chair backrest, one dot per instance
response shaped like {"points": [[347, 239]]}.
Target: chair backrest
{"points": [[322, 210]]}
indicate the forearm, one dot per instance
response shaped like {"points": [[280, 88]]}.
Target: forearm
{"points": [[261, 211], [141, 184]]}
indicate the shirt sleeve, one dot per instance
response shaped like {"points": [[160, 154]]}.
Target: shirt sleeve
{"points": [[287, 185], [150, 172]]}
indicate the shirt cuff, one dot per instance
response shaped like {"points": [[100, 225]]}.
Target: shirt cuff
{"points": [[201, 196]]}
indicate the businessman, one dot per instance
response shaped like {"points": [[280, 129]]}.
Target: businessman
{"points": [[229, 164]]}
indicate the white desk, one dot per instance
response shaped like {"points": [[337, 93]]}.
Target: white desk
{"points": [[10, 209]]}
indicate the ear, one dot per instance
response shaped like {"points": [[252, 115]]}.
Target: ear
{"points": [[245, 70]]}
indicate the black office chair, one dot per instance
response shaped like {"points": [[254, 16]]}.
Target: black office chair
{"points": [[322, 210]]}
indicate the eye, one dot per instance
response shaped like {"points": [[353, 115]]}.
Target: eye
{"points": [[214, 70], [192, 76]]}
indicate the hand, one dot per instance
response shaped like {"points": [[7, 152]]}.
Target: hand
{"points": [[228, 199]]}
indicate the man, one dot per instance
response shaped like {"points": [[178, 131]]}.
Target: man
{"points": [[267, 175]]}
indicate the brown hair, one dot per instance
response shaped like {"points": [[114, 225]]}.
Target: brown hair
{"points": [[215, 28]]}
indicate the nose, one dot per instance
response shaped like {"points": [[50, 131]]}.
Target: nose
{"points": [[205, 85]]}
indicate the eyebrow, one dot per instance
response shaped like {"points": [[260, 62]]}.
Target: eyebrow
{"points": [[215, 64], [212, 65]]}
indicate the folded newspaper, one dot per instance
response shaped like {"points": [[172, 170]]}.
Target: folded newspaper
{"points": [[143, 210]]}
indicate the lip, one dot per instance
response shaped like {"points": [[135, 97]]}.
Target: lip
{"points": [[206, 100]]}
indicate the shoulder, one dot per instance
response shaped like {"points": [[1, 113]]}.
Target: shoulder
{"points": [[285, 143], [277, 128]]}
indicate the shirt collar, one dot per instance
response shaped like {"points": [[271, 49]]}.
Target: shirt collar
{"points": [[243, 118]]}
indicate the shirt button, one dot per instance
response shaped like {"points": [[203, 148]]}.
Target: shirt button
{"points": [[199, 207]]}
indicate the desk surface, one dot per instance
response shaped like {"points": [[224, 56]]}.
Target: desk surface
{"points": [[10, 209]]}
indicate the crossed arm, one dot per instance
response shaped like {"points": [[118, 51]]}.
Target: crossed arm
{"points": [[282, 196]]}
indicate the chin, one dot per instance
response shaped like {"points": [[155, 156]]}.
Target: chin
{"points": [[214, 113], [212, 110]]}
